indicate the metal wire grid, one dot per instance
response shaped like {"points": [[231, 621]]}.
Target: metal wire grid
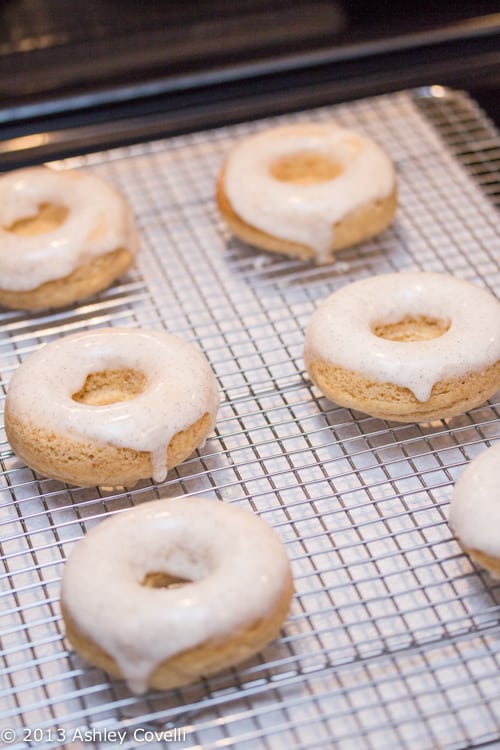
{"points": [[392, 641]]}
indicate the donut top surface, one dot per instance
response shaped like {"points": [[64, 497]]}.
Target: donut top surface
{"points": [[475, 505], [306, 213], [180, 387], [98, 220], [341, 330], [235, 566]]}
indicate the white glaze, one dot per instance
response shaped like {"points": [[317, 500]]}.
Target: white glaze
{"points": [[305, 214], [236, 562], [341, 329], [99, 221], [180, 388], [475, 505]]}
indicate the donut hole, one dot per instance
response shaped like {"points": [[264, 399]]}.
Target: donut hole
{"points": [[164, 581], [110, 387], [410, 329], [49, 217], [305, 168]]}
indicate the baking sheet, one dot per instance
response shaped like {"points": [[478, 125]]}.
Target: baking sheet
{"points": [[393, 637]]}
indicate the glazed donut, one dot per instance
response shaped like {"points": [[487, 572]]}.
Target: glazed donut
{"points": [[63, 236], [123, 615], [406, 346], [307, 190], [111, 406], [475, 510]]}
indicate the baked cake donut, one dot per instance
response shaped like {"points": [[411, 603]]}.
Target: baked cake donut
{"points": [[175, 590], [406, 346], [63, 236], [307, 190], [111, 406], [475, 510]]}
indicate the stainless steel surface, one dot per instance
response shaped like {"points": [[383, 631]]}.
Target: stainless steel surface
{"points": [[393, 640]]}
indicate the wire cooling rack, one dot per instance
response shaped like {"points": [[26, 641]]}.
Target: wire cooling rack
{"points": [[393, 640]]}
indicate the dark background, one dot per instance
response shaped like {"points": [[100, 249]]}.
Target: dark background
{"points": [[100, 73]]}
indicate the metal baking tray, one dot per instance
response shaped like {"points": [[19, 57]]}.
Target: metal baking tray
{"points": [[393, 640]]}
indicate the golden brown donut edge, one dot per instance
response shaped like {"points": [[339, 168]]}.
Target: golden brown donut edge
{"points": [[201, 661], [392, 402], [86, 280], [88, 463]]}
